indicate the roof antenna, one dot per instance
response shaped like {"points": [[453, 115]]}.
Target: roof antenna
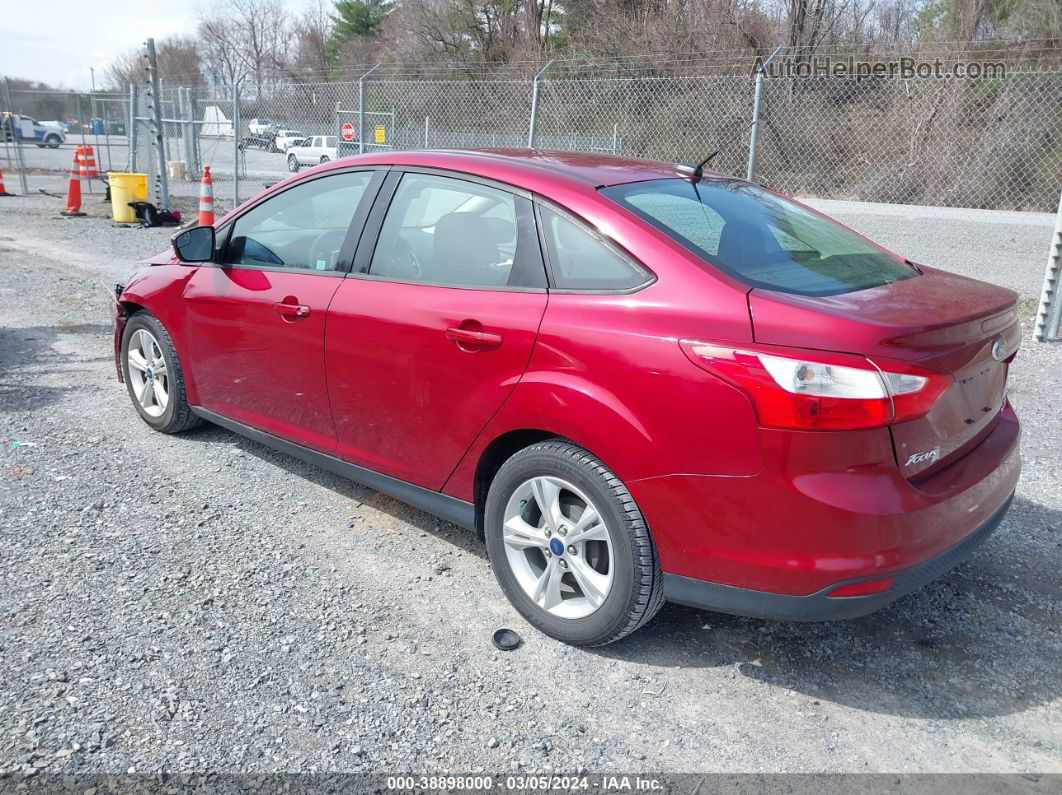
{"points": [[699, 169]]}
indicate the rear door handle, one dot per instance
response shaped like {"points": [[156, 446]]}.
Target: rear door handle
{"points": [[292, 310], [479, 339]]}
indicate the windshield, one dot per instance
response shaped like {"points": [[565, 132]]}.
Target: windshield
{"points": [[759, 237]]}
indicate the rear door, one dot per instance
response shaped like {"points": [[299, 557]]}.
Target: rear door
{"points": [[432, 331], [257, 318]]}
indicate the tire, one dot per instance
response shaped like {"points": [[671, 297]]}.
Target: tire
{"points": [[174, 414], [621, 554], [324, 159], [293, 164], [52, 142]]}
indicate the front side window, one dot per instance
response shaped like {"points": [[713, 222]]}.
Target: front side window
{"points": [[759, 237], [580, 261], [303, 227], [447, 231]]}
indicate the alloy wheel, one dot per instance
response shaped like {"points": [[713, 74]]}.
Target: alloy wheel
{"points": [[558, 547], [148, 373]]}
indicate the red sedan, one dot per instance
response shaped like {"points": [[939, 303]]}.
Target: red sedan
{"points": [[638, 383]]}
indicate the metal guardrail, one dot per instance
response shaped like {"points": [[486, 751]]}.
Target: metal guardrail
{"points": [[1049, 312]]}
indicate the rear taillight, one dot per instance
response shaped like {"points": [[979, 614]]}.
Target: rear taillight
{"points": [[815, 390]]}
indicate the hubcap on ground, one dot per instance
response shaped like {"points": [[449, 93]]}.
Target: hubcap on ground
{"points": [[147, 373], [558, 547]]}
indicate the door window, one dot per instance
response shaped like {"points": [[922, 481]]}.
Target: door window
{"points": [[580, 261], [301, 228], [445, 231]]}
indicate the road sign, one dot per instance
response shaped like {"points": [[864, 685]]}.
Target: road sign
{"points": [[379, 134], [347, 131]]}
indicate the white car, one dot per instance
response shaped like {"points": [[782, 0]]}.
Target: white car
{"points": [[316, 149], [262, 126], [288, 138]]}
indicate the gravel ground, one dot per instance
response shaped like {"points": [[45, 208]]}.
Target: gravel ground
{"points": [[199, 602]]}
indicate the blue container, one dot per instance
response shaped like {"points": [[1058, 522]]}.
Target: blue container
{"points": [[97, 126]]}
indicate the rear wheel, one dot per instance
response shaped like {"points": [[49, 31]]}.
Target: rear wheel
{"points": [[293, 164], [153, 375], [325, 159], [569, 546]]}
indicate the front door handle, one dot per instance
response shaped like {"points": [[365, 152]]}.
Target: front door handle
{"points": [[473, 339], [292, 310]]}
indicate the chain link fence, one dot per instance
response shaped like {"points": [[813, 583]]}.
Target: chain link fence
{"points": [[993, 142]]}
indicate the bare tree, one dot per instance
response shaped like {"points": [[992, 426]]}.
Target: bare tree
{"points": [[246, 38], [310, 57], [178, 59]]}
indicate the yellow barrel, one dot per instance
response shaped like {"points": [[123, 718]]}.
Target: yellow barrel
{"points": [[126, 188]]}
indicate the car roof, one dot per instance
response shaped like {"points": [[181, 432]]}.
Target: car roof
{"points": [[529, 168]]}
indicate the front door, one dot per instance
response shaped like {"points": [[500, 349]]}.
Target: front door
{"points": [[257, 318], [423, 348]]}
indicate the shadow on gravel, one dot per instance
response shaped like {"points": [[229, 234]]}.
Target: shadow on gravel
{"points": [[981, 641], [28, 353], [357, 494]]}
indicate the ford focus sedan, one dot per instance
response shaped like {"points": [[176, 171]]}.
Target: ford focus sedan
{"points": [[635, 381]]}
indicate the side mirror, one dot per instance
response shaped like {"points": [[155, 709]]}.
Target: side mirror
{"points": [[195, 244]]}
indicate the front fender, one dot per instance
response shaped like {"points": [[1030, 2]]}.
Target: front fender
{"points": [[159, 288]]}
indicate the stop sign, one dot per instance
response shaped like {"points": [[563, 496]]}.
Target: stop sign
{"points": [[347, 131]]}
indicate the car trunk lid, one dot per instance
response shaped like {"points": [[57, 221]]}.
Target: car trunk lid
{"points": [[938, 320]]}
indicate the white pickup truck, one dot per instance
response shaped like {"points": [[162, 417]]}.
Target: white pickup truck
{"points": [[28, 129], [315, 149]]}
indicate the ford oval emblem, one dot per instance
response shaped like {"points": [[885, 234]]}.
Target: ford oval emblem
{"points": [[999, 349]]}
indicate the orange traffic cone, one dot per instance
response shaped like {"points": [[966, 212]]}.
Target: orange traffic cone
{"points": [[206, 199], [88, 163], [3, 190], [73, 193]]}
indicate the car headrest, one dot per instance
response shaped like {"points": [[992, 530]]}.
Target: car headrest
{"points": [[742, 243], [464, 241]]}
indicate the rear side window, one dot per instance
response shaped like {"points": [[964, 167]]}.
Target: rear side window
{"points": [[580, 261], [302, 227], [761, 238]]}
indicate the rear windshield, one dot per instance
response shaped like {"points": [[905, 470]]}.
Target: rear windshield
{"points": [[760, 238]]}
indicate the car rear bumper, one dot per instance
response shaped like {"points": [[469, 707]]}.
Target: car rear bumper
{"points": [[825, 510], [820, 606]]}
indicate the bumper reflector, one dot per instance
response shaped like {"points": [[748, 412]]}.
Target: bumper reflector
{"points": [[865, 588]]}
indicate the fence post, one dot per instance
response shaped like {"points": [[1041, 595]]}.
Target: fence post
{"points": [[16, 139], [134, 124], [159, 132], [427, 121], [750, 173], [236, 144], [361, 109], [1049, 313], [188, 130], [182, 128], [534, 105]]}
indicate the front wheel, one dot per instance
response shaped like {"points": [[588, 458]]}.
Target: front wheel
{"points": [[293, 164], [153, 375], [570, 547], [324, 159]]}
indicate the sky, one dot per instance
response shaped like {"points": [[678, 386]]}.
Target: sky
{"points": [[58, 41]]}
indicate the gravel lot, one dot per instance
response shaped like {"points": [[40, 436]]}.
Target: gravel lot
{"points": [[199, 602]]}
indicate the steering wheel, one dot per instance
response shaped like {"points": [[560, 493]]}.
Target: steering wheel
{"points": [[404, 260], [327, 247]]}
